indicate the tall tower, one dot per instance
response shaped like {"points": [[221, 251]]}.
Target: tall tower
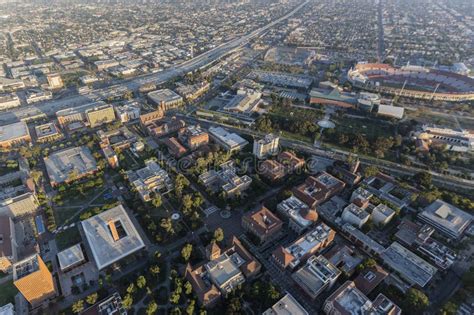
{"points": [[34, 280]]}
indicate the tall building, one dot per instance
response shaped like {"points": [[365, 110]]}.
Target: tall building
{"points": [[266, 146], [8, 244], [34, 281]]}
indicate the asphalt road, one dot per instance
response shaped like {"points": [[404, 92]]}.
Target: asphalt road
{"points": [[49, 108]]}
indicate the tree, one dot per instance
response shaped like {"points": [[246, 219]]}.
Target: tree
{"points": [[188, 288], [91, 299], [198, 200], [449, 308], [370, 171], [176, 311], [416, 300], [78, 307], [151, 308], [190, 308], [186, 252], [423, 178], [272, 292], [167, 225], [36, 175], [157, 202], [187, 202], [181, 182], [131, 288], [155, 270], [141, 282], [127, 301], [234, 306], [219, 235]]}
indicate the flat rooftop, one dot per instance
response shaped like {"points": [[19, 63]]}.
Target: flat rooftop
{"points": [[61, 164], [79, 109], [287, 305], [230, 139], [70, 256], [111, 236], [48, 129], [364, 238], [447, 216], [413, 268], [224, 268], [14, 131], [310, 240], [26, 267], [164, 95]]}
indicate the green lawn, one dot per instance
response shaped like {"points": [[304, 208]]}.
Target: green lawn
{"points": [[7, 293], [370, 128], [68, 238], [63, 214]]}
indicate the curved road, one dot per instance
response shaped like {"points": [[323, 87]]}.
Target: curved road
{"points": [[50, 107]]}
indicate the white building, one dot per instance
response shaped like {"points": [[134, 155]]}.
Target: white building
{"points": [[150, 180], [391, 111], [300, 216], [229, 141], [382, 214], [266, 146], [446, 218], [111, 236], [127, 112], [354, 215], [287, 305], [316, 276]]}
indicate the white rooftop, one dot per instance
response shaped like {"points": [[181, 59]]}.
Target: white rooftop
{"points": [[413, 268], [111, 236], [13, 131], [232, 140], [70, 256], [287, 305], [447, 216]]}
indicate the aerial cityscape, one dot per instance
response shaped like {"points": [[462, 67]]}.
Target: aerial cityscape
{"points": [[274, 157]]}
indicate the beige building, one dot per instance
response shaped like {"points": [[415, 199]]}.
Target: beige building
{"points": [[100, 115], [55, 81], [14, 134]]}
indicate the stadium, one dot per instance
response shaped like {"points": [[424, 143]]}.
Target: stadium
{"points": [[413, 82]]}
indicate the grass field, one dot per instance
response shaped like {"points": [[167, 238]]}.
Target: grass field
{"points": [[7, 293], [68, 238], [370, 128], [75, 201]]}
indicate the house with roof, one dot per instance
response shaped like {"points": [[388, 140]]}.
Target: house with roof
{"points": [[317, 189], [262, 223], [222, 273]]}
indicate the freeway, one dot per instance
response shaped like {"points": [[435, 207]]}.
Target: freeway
{"points": [[49, 108]]}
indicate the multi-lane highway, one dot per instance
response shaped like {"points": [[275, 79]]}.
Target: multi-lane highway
{"points": [[49, 108]]}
